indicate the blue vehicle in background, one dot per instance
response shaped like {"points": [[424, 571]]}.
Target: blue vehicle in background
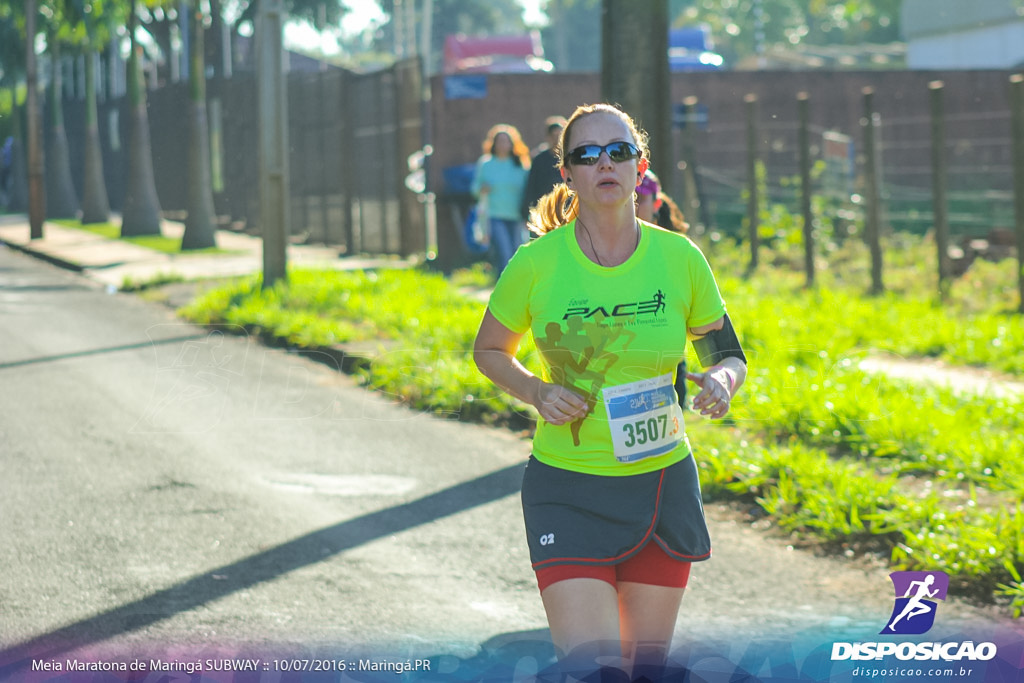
{"points": [[691, 49]]}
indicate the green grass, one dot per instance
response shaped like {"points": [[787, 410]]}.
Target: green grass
{"points": [[920, 474], [425, 326], [165, 245]]}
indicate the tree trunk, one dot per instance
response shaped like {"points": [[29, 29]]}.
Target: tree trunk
{"points": [[754, 183], [220, 57], [635, 75], [141, 212], [36, 154], [217, 50], [61, 201], [272, 98], [95, 203], [199, 226]]}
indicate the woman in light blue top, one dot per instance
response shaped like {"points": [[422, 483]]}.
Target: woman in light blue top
{"points": [[501, 178]]}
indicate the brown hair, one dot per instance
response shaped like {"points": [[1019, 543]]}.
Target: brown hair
{"points": [[559, 206], [670, 216], [520, 152]]}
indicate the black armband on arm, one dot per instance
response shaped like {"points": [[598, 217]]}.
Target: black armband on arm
{"points": [[719, 344], [680, 385]]}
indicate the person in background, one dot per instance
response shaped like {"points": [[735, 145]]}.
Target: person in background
{"points": [[654, 206], [498, 182], [6, 162], [544, 171], [611, 496]]}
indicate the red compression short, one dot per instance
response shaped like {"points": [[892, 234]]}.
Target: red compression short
{"points": [[651, 566]]}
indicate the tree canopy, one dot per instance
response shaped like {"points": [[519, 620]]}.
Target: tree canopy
{"points": [[572, 33], [793, 23]]}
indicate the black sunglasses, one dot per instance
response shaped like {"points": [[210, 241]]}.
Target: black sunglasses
{"points": [[587, 155]]}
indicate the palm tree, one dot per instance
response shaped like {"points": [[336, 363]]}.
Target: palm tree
{"points": [[37, 187], [95, 202], [199, 226], [61, 200], [141, 212], [94, 19]]}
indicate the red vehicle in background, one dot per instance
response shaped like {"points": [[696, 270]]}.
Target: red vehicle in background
{"points": [[495, 54]]}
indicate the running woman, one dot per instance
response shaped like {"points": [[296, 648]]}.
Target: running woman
{"points": [[610, 494]]}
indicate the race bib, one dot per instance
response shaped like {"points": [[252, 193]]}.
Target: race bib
{"points": [[644, 418]]}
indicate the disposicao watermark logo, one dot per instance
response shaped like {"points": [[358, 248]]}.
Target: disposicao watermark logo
{"points": [[913, 613], [916, 595]]}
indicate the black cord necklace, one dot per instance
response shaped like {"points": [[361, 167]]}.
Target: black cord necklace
{"points": [[594, 249]]}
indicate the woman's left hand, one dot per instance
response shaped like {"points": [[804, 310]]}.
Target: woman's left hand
{"points": [[715, 396]]}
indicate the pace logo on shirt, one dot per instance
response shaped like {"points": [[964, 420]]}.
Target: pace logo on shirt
{"points": [[627, 309]]}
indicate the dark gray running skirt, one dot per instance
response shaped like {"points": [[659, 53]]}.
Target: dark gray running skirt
{"points": [[574, 518]]}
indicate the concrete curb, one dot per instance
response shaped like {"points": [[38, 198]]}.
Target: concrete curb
{"points": [[49, 258], [113, 262]]}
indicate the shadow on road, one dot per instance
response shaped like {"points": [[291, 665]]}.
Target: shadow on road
{"points": [[270, 564], [99, 352]]}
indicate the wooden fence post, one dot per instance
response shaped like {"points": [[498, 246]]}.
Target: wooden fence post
{"points": [[804, 142], [1017, 134], [346, 108], [873, 196], [692, 209], [753, 203], [939, 185]]}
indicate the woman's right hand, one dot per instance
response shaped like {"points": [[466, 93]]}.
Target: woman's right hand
{"points": [[494, 352], [558, 405]]}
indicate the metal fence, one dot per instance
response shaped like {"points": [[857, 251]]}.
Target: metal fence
{"points": [[352, 134], [347, 162], [978, 160], [977, 133]]}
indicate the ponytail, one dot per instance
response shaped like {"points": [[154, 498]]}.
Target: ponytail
{"points": [[553, 210]]}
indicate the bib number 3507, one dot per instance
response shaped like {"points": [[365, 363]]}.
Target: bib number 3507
{"points": [[648, 431], [644, 418]]}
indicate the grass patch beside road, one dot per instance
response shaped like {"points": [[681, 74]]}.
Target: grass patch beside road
{"points": [[424, 325], [927, 477], [161, 243]]}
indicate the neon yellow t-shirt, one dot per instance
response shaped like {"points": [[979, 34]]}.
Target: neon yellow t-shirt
{"points": [[614, 336]]}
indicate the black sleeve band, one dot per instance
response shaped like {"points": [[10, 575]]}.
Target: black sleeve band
{"points": [[719, 344], [680, 385]]}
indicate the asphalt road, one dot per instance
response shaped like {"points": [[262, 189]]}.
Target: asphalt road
{"points": [[170, 489]]}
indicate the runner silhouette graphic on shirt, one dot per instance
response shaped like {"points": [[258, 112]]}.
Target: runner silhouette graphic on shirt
{"points": [[659, 299], [917, 592], [570, 364], [574, 354], [603, 335]]}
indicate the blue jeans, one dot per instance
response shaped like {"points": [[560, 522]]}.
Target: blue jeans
{"points": [[506, 236]]}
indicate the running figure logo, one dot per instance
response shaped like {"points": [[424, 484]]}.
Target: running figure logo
{"points": [[916, 593], [659, 302]]}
